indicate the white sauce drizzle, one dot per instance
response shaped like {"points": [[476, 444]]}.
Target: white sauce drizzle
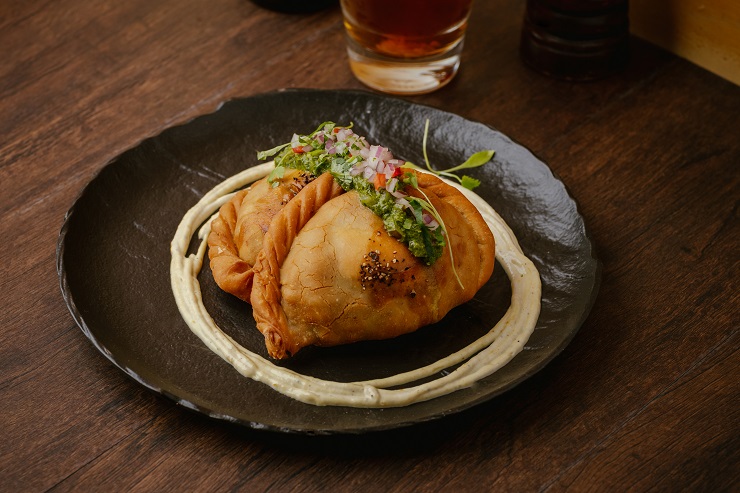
{"points": [[479, 360]]}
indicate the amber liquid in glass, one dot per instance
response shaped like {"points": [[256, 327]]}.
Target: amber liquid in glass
{"points": [[407, 28], [405, 46]]}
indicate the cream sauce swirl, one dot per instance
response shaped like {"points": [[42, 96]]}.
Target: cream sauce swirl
{"points": [[479, 359]]}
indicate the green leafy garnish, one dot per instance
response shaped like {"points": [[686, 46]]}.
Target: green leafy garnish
{"points": [[429, 207], [422, 242], [379, 179], [476, 160], [271, 152], [469, 183], [275, 175], [418, 210]]}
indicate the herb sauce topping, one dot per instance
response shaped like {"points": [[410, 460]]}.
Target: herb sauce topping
{"points": [[382, 181]]}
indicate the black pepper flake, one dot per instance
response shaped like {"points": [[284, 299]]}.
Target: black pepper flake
{"points": [[374, 270], [298, 183]]}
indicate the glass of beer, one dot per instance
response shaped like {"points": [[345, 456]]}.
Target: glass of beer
{"points": [[405, 46]]}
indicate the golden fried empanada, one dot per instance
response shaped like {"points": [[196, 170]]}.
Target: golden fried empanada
{"points": [[329, 274], [238, 230]]}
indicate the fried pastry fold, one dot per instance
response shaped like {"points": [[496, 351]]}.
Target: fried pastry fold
{"points": [[237, 232]]}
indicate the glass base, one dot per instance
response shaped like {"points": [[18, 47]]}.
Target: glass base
{"points": [[403, 76]]}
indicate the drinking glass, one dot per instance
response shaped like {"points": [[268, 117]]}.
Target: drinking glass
{"points": [[405, 46]]}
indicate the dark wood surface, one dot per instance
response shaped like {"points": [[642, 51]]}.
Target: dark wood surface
{"points": [[644, 398]]}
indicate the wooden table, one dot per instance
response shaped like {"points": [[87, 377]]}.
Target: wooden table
{"points": [[644, 398]]}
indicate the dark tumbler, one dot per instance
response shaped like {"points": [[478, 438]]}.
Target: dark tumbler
{"points": [[576, 39], [296, 6]]}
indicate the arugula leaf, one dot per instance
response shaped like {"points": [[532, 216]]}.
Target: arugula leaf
{"points": [[329, 127], [271, 152]]}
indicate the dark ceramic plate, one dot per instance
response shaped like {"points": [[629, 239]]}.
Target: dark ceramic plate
{"points": [[113, 261]]}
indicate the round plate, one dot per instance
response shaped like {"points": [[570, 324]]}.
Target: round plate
{"points": [[113, 261]]}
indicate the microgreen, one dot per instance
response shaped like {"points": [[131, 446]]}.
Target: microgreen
{"points": [[476, 160], [469, 182]]}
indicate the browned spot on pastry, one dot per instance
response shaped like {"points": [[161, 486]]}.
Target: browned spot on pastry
{"points": [[375, 270]]}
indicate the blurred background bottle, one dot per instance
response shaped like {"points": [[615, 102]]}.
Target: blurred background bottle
{"points": [[576, 39], [296, 6]]}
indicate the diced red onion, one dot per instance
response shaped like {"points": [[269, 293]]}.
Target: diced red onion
{"points": [[429, 221], [403, 203], [368, 173], [389, 170], [330, 147]]}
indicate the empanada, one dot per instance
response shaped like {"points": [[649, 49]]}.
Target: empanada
{"points": [[329, 274], [238, 230]]}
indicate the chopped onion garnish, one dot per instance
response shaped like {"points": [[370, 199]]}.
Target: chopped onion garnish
{"points": [[368, 173], [402, 202]]}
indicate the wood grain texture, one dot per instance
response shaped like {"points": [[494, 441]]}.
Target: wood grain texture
{"points": [[644, 398]]}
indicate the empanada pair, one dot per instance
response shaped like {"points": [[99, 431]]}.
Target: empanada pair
{"points": [[319, 268]]}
